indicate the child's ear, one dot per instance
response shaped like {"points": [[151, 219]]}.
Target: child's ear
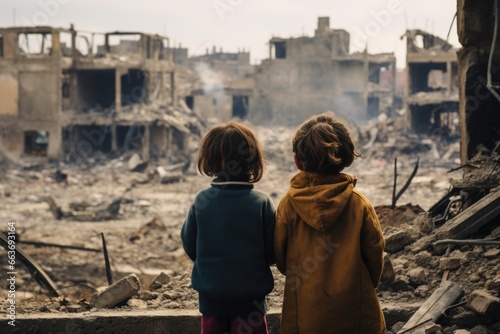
{"points": [[298, 163]]}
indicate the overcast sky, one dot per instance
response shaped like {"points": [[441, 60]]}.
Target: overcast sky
{"points": [[249, 24]]}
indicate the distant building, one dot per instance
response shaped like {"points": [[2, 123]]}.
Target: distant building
{"points": [[65, 97], [309, 75], [431, 94]]}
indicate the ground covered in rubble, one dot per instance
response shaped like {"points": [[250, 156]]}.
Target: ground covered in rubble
{"points": [[144, 239]]}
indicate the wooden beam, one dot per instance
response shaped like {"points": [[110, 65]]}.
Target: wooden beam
{"points": [[433, 307]]}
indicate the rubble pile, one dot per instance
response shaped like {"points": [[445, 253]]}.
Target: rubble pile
{"points": [[145, 249], [388, 138]]}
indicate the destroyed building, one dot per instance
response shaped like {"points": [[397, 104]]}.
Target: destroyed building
{"points": [[67, 94], [431, 97], [220, 82], [308, 75]]}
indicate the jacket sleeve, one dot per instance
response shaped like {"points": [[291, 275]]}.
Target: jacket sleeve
{"points": [[189, 233], [269, 218], [280, 240], [372, 244]]}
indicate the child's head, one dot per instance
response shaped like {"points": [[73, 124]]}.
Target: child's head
{"points": [[231, 151], [323, 145]]}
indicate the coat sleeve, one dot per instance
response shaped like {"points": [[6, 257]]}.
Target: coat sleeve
{"points": [[280, 240], [189, 233], [372, 244], [269, 218]]}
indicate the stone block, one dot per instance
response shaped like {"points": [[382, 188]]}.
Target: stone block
{"points": [[117, 292], [159, 281], [484, 303], [449, 263]]}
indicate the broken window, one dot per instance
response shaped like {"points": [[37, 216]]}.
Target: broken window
{"points": [[129, 137], [134, 87], [240, 106], [66, 41], [65, 90], [36, 143], [373, 106], [96, 89], [83, 46], [35, 44], [190, 101], [88, 139], [280, 50], [420, 73], [436, 80]]}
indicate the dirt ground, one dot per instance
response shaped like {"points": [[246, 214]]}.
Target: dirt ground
{"points": [[147, 249]]}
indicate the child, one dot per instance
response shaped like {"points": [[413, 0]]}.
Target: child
{"points": [[328, 241], [229, 234]]}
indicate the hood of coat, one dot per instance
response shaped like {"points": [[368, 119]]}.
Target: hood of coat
{"points": [[320, 200]]}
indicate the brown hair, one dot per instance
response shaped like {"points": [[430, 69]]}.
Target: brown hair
{"points": [[231, 151], [323, 145]]}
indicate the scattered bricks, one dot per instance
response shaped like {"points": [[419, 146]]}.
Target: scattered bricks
{"points": [[417, 276], [484, 303], [388, 274], [492, 253], [449, 263], [432, 328], [159, 281], [117, 292], [396, 239]]}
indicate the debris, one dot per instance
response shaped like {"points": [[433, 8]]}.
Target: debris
{"points": [[106, 260], [388, 274], [397, 238], [45, 244], [395, 197], [135, 164], [159, 281], [432, 328], [417, 276], [34, 268], [449, 263], [483, 242], [433, 307], [484, 303], [137, 304], [82, 211], [117, 292]]}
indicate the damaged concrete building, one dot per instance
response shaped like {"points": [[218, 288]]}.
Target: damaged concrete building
{"points": [[431, 95], [479, 73], [308, 75], [67, 94]]}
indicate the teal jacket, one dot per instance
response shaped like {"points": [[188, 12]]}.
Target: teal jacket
{"points": [[229, 234]]}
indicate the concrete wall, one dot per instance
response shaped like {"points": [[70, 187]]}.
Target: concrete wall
{"points": [[9, 94], [288, 90], [479, 109]]}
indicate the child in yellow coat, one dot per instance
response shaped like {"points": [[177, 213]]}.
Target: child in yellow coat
{"points": [[328, 239]]}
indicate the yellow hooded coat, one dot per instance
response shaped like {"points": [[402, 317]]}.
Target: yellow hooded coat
{"points": [[329, 244]]}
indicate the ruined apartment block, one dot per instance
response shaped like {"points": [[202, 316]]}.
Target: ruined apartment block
{"points": [[431, 96], [221, 82], [308, 75], [68, 94]]}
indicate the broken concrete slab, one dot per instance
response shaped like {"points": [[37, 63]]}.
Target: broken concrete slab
{"points": [[117, 292], [396, 239]]}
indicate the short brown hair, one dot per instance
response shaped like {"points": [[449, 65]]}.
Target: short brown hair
{"points": [[323, 145], [231, 151]]}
